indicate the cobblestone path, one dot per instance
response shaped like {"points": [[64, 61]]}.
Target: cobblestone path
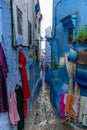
{"points": [[43, 116]]}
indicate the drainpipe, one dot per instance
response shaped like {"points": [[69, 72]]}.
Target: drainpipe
{"points": [[55, 17], [53, 38], [54, 34]]}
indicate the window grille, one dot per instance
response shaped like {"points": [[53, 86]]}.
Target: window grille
{"points": [[29, 32], [19, 21]]}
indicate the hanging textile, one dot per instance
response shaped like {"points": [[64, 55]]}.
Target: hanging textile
{"points": [[26, 91], [62, 105], [82, 57], [76, 107], [72, 56], [82, 69], [13, 112], [81, 76], [65, 97], [82, 105], [25, 106], [77, 90], [37, 7], [3, 76], [84, 122], [71, 67], [69, 104], [19, 96], [22, 62]]}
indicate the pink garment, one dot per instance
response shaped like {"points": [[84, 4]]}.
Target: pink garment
{"points": [[62, 105], [13, 112], [76, 105]]}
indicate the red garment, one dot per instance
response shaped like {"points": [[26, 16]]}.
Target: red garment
{"points": [[22, 62], [25, 108], [26, 90]]}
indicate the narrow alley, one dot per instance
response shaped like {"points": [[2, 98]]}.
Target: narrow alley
{"points": [[43, 116], [43, 65]]}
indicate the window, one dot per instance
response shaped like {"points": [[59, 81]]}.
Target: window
{"points": [[70, 36], [29, 32], [19, 21]]}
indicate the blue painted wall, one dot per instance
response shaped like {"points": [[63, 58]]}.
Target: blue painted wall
{"points": [[48, 52], [13, 76], [61, 10], [5, 39], [48, 60]]}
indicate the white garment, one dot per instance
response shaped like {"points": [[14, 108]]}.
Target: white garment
{"points": [[85, 113], [65, 96]]}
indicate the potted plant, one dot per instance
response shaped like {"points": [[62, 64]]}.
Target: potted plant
{"points": [[81, 35], [32, 56]]}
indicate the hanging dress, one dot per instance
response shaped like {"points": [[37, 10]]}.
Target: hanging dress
{"points": [[19, 96], [26, 91], [3, 87], [13, 112]]}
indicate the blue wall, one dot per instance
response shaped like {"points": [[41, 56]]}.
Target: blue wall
{"points": [[61, 10], [35, 80], [5, 34], [48, 52], [13, 76]]}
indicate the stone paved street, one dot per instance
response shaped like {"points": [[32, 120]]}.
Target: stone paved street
{"points": [[43, 116]]}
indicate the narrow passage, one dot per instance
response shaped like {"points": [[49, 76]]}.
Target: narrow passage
{"points": [[43, 116]]}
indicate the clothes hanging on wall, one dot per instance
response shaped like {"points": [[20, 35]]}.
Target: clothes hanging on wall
{"points": [[71, 67], [69, 106], [22, 63], [65, 97], [81, 76], [26, 90], [3, 76], [82, 58], [19, 96], [82, 105], [13, 112], [25, 106], [84, 122], [62, 105], [76, 107], [77, 90], [72, 56]]}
